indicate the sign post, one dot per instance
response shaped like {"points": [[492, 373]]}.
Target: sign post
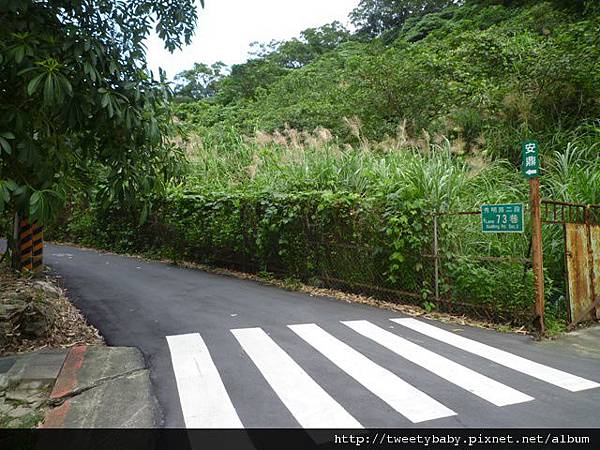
{"points": [[530, 167]]}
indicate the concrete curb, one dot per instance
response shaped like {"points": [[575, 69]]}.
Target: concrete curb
{"points": [[103, 387]]}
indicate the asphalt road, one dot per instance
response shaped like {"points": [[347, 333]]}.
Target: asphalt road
{"points": [[293, 360]]}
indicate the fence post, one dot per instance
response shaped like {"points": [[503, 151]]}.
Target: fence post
{"points": [[537, 251], [436, 259], [588, 229]]}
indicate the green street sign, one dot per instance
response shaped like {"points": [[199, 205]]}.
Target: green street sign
{"points": [[530, 159], [507, 218]]}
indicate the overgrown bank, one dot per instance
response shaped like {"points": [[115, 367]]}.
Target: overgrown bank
{"points": [[35, 314]]}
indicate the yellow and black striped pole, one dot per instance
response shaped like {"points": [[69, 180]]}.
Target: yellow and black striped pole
{"points": [[37, 259], [25, 245]]}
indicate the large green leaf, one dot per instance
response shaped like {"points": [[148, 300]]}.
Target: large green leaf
{"points": [[33, 85], [5, 136]]}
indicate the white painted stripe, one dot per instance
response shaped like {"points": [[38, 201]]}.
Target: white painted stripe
{"points": [[415, 405], [204, 400], [480, 385], [307, 401], [557, 377]]}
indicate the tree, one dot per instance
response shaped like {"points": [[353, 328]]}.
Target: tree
{"points": [[199, 82], [76, 98], [245, 79], [275, 59], [373, 18], [298, 52]]}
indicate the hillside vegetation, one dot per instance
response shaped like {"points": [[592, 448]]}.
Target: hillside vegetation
{"points": [[323, 157], [484, 76]]}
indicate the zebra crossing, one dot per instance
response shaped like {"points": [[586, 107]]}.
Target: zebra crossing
{"points": [[480, 385], [548, 374], [206, 403]]}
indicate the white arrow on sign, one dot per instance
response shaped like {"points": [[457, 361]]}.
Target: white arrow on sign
{"points": [[531, 172]]}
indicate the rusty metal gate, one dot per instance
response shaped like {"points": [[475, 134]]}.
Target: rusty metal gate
{"points": [[582, 255]]}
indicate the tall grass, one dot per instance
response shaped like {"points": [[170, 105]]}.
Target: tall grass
{"points": [[403, 167], [574, 176], [289, 161]]}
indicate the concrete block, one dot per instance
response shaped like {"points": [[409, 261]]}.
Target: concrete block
{"points": [[123, 402], [87, 366], [40, 367], [6, 362]]}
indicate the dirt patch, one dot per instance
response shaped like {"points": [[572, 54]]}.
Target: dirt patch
{"points": [[35, 314]]}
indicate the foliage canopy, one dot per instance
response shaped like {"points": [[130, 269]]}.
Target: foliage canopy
{"points": [[77, 100]]}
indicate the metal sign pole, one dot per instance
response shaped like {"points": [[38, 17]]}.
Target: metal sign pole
{"points": [[537, 251], [530, 168], [436, 259]]}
